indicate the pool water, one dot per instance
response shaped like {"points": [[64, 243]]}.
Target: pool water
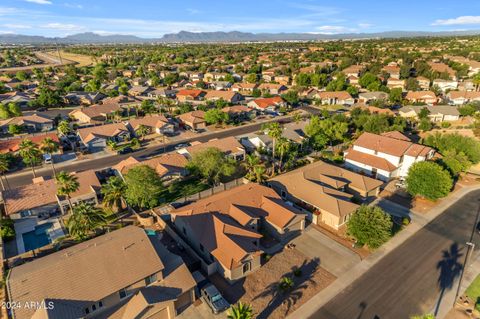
{"points": [[37, 238]]}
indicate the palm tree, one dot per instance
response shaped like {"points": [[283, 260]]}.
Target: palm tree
{"points": [[259, 173], [274, 130], [4, 166], [67, 184], [283, 146], [85, 219], [476, 81], [142, 130], [30, 154], [113, 192], [250, 162], [49, 146], [241, 311], [63, 128]]}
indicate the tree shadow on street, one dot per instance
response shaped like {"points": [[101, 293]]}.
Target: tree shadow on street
{"points": [[449, 269], [305, 274]]}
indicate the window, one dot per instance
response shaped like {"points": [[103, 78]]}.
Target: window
{"points": [[94, 307], [100, 304], [201, 248], [184, 230], [283, 194], [87, 311], [123, 293], [150, 279], [246, 267]]}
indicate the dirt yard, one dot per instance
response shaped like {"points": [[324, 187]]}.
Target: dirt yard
{"points": [[82, 60], [260, 289]]}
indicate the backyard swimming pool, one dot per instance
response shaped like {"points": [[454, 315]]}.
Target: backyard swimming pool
{"points": [[37, 238]]}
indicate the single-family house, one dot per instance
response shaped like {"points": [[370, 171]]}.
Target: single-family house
{"points": [[463, 97], [155, 123], [272, 88], [393, 83], [445, 85], [228, 145], [168, 166], [227, 96], [326, 191], [244, 88], [95, 138], [268, 105], [194, 120], [368, 97], [190, 95], [385, 156], [31, 123], [98, 113], [427, 97], [423, 82], [13, 144], [334, 98], [436, 113], [121, 274], [224, 228]]}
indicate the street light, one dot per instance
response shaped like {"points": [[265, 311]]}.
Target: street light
{"points": [[470, 248]]}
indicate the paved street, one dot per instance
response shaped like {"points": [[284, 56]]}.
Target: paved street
{"points": [[334, 257], [19, 179], [410, 279]]}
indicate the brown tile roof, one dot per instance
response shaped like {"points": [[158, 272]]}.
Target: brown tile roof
{"points": [[155, 121], [192, 93], [307, 188], [12, 145], [263, 103], [396, 135], [103, 131], [464, 94], [21, 120], [416, 95], [86, 272], [370, 160], [44, 192], [164, 164], [335, 176], [212, 220], [228, 145], [236, 109], [342, 95], [225, 95], [97, 110], [383, 144], [192, 117]]}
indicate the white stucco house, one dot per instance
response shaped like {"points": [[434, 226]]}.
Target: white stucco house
{"points": [[385, 156]]}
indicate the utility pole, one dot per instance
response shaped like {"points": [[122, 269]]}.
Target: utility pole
{"points": [[470, 249]]}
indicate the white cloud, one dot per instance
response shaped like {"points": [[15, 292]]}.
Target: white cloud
{"points": [[16, 26], [62, 26], [73, 5], [40, 1], [334, 29], [458, 21], [193, 11], [365, 25]]}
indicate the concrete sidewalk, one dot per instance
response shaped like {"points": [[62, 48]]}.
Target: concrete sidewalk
{"points": [[418, 222]]}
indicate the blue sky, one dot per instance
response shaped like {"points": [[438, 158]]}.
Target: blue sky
{"points": [[150, 18]]}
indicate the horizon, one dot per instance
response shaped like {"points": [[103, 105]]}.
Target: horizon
{"points": [[55, 18]]}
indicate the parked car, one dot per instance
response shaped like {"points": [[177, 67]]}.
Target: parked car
{"points": [[181, 145], [125, 150], [214, 299]]}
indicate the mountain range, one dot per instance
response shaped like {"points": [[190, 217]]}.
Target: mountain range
{"points": [[209, 37]]}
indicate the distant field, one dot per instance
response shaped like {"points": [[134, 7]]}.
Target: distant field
{"points": [[82, 60]]}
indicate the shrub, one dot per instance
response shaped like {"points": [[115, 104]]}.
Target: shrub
{"points": [[370, 225], [429, 180]]}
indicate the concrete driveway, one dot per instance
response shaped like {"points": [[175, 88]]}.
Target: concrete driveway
{"points": [[334, 257], [392, 208], [201, 311]]}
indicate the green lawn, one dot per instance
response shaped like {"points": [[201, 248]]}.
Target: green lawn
{"points": [[184, 188], [473, 291]]}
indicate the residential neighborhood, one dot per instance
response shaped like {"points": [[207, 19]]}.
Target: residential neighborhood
{"points": [[239, 175]]}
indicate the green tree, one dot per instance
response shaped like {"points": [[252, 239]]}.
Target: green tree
{"points": [[67, 184], [429, 180], [142, 131], [30, 154], [113, 193], [370, 225], [14, 109], [425, 125], [4, 112], [455, 162], [274, 130], [426, 316], [460, 144], [7, 230], [291, 97], [212, 165], [396, 95], [215, 116], [251, 78], [240, 311], [85, 219], [48, 97], [64, 128], [49, 146], [15, 129], [4, 167], [144, 187], [147, 106]]}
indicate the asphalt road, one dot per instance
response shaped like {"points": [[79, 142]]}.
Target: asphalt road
{"points": [[411, 278], [16, 180]]}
